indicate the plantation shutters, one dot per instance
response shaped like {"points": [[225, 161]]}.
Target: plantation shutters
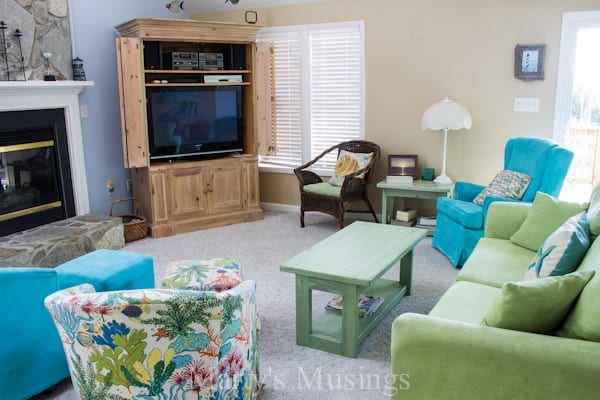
{"points": [[317, 81], [336, 88]]}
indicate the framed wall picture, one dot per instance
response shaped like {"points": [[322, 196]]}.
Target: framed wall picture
{"points": [[529, 61], [402, 165]]}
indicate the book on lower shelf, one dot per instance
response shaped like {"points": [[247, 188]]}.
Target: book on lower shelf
{"points": [[399, 179], [367, 305], [397, 222], [406, 215], [427, 221]]}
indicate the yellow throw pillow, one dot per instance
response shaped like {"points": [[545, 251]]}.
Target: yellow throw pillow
{"points": [[348, 163]]}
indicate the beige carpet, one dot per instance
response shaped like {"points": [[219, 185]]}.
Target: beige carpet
{"points": [[290, 371]]}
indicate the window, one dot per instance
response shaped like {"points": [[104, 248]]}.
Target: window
{"points": [[577, 115], [316, 91]]}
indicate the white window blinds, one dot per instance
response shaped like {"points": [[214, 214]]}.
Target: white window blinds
{"points": [[335, 88], [318, 90]]}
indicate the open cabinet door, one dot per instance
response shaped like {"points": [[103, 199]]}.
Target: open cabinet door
{"points": [[265, 98], [132, 97]]}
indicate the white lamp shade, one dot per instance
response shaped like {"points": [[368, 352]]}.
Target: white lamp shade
{"points": [[446, 114]]}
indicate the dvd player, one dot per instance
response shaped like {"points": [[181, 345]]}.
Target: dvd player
{"points": [[222, 78]]}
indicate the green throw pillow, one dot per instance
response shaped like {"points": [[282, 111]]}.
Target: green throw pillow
{"points": [[563, 250], [594, 211], [583, 322], [537, 306], [545, 216]]}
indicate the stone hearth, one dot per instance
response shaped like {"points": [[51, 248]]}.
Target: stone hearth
{"points": [[53, 244]]}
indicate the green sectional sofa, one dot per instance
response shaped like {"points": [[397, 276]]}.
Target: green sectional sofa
{"points": [[449, 354]]}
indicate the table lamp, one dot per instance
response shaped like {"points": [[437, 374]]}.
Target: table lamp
{"points": [[446, 115]]}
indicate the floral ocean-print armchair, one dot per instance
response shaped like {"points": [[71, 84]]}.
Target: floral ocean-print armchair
{"points": [[159, 343]]}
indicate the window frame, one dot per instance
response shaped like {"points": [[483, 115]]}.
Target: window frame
{"points": [[304, 31]]}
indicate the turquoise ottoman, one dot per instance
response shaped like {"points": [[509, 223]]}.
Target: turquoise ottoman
{"points": [[108, 270]]}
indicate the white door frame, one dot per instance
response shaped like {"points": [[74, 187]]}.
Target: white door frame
{"points": [[571, 23]]}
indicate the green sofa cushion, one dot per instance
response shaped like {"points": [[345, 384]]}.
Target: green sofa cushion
{"points": [[537, 306], [496, 261], [563, 250], [584, 322], [594, 211], [323, 188], [457, 303], [545, 216]]}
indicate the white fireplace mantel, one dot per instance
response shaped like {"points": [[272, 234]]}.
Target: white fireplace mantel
{"points": [[38, 95]]}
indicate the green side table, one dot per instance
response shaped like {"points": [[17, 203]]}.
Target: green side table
{"points": [[415, 190]]}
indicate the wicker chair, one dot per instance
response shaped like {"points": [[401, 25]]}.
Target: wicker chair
{"points": [[333, 200]]}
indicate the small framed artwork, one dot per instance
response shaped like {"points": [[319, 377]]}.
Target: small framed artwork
{"points": [[402, 165], [529, 61]]}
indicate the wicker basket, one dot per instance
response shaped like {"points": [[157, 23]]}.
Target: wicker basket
{"points": [[134, 225]]}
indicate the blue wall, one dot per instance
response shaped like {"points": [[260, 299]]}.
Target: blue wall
{"points": [[92, 25]]}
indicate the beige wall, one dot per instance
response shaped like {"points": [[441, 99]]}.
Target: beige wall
{"points": [[417, 52]]}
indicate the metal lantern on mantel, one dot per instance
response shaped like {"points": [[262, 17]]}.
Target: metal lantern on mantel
{"points": [[78, 72]]}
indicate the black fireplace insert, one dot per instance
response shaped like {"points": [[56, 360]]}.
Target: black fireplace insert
{"points": [[35, 173]]}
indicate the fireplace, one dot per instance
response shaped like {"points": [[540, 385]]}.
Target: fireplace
{"points": [[35, 173], [42, 169]]}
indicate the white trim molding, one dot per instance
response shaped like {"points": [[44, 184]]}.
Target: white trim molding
{"points": [[39, 95], [280, 207]]}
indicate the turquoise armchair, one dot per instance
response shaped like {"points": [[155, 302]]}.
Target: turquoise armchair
{"points": [[460, 222]]}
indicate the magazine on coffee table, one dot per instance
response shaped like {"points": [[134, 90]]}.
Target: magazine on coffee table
{"points": [[367, 305]]}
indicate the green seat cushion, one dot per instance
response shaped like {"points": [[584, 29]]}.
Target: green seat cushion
{"points": [[594, 211], [323, 188], [545, 216], [457, 303], [563, 250], [536, 306], [494, 262]]}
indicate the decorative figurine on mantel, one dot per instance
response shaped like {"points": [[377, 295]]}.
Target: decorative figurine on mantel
{"points": [[48, 76], [78, 72], [12, 66]]}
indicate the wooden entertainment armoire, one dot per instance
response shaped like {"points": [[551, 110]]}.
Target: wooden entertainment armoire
{"points": [[187, 195]]}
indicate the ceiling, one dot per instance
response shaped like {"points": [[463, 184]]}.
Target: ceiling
{"points": [[208, 6]]}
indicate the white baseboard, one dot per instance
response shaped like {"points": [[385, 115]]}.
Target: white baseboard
{"points": [[296, 209], [280, 207]]}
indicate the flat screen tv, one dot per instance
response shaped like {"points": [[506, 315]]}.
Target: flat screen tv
{"points": [[194, 122]]}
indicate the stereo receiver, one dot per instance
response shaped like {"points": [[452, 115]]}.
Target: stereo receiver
{"points": [[184, 60], [211, 61]]}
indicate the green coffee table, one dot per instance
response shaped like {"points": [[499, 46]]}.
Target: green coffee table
{"points": [[351, 262]]}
